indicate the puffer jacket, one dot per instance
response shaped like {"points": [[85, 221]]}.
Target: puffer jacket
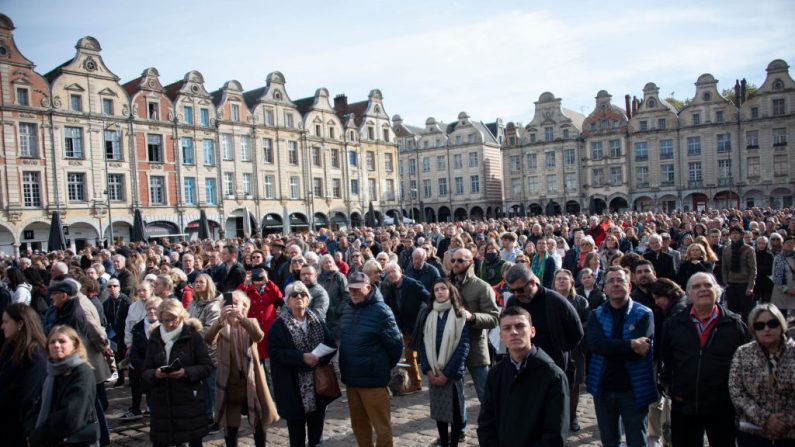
{"points": [[479, 299], [336, 285], [179, 408], [371, 343], [754, 396]]}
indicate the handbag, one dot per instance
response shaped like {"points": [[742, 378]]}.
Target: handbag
{"points": [[326, 384]]}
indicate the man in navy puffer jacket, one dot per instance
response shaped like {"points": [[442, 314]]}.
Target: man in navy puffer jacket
{"points": [[370, 347]]}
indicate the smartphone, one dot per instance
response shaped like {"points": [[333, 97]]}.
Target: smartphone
{"points": [[176, 365], [227, 298]]}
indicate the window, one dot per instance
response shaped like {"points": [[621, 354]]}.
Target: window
{"points": [[532, 138], [597, 177], [666, 149], [780, 165], [596, 150], [532, 163], [458, 161], [413, 188], [780, 137], [641, 151], [75, 103], [459, 186], [426, 164], [644, 125], [426, 188], [694, 172], [28, 140], [661, 123], [389, 163], [288, 120], [227, 147], [355, 187], [352, 136], [386, 134], [473, 159], [470, 138], [474, 184], [209, 152], [568, 157], [112, 145], [642, 176], [187, 115], [229, 184], [267, 117], [204, 116], [245, 152], [268, 182], [370, 160], [442, 187], [336, 188], [23, 96], [616, 175], [107, 106], [370, 133], [31, 189], [565, 133], [752, 139], [458, 139], [753, 166], [603, 124], [667, 174], [724, 172], [719, 116], [390, 189], [549, 159], [116, 187], [210, 191], [412, 166], [516, 188], [441, 164], [75, 186], [267, 150], [317, 160], [570, 182], [157, 190], [724, 142], [552, 183], [317, 186], [424, 144], [331, 133], [532, 185], [548, 134], [778, 107], [73, 142], [235, 112], [190, 190], [515, 163], [754, 112], [353, 160], [292, 152], [295, 188], [615, 148], [154, 148], [335, 158], [693, 145], [696, 119]]}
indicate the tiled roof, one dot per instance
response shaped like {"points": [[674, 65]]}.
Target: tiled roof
{"points": [[252, 97]]}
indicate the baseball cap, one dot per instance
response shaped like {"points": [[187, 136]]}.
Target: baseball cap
{"points": [[358, 280]]}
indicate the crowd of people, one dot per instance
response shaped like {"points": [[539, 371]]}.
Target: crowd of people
{"points": [[676, 324]]}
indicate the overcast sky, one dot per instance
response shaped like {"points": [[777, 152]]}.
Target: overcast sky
{"points": [[490, 59]]}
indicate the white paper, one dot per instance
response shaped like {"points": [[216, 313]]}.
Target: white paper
{"points": [[322, 350], [747, 426]]}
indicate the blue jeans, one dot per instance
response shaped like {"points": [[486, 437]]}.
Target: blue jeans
{"points": [[209, 388], [614, 404], [479, 375]]}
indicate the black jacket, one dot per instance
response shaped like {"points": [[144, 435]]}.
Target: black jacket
{"points": [[126, 282], [698, 378], [139, 344], [688, 269], [116, 313], [234, 277], [179, 408], [528, 408], [405, 301], [663, 264], [595, 299], [20, 386], [72, 408]]}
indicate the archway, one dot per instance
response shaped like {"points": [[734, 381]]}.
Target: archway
{"points": [[34, 237], [553, 209], [235, 225], [489, 213], [535, 209], [726, 199], [162, 229], [597, 205], [755, 198], [79, 235], [476, 213], [781, 198], [572, 207], [192, 229], [415, 214], [618, 204], [695, 202], [460, 214], [444, 214], [272, 223], [6, 240], [644, 203], [338, 220], [356, 219], [321, 221], [430, 214], [121, 231], [667, 203], [299, 222]]}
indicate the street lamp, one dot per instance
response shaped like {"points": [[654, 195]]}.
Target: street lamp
{"points": [[105, 127]]}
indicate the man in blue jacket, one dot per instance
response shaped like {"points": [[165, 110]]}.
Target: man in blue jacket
{"points": [[370, 347]]}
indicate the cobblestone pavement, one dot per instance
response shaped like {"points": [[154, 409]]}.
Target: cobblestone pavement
{"points": [[411, 423]]}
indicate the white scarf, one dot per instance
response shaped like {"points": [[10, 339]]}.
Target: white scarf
{"points": [[170, 337], [450, 337]]}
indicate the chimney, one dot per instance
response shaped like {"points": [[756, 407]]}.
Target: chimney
{"points": [[737, 98], [634, 104], [626, 102], [340, 104], [743, 90]]}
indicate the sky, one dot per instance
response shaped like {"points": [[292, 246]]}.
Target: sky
{"points": [[429, 59]]}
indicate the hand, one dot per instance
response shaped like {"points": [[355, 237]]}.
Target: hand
{"points": [[178, 374], [107, 352], [468, 315], [441, 379], [311, 359], [749, 292], [248, 278], [159, 374], [232, 312], [433, 378], [640, 346], [775, 426]]}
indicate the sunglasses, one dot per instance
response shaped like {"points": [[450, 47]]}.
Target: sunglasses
{"points": [[299, 295], [460, 261], [523, 289], [772, 324]]}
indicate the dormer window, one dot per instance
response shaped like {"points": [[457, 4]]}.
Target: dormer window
{"points": [[151, 110], [707, 96], [318, 131], [23, 97], [377, 109], [235, 110], [331, 133], [386, 135], [370, 133], [652, 103]]}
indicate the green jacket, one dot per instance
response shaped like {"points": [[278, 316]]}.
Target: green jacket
{"points": [[479, 300]]}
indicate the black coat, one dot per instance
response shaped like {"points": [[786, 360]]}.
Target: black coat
{"points": [[688, 269], [528, 408], [179, 407], [72, 408], [234, 277], [595, 299], [139, 344], [405, 301], [116, 313], [20, 386], [126, 282], [663, 264], [286, 362]]}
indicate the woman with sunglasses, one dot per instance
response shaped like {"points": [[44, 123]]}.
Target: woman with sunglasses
{"points": [[762, 382]]}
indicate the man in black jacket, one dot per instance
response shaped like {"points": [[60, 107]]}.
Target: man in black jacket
{"points": [[125, 277], [235, 272], [697, 349], [663, 262], [527, 397]]}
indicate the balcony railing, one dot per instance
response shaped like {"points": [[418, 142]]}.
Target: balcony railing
{"points": [[695, 183]]}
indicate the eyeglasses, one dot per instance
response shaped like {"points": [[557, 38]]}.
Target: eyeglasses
{"points": [[297, 261], [113, 285], [460, 260], [772, 324], [523, 289], [168, 320], [298, 295]]}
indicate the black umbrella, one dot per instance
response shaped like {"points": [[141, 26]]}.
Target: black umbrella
{"points": [[56, 241], [370, 215], [204, 226], [139, 232], [522, 210], [421, 216], [592, 206]]}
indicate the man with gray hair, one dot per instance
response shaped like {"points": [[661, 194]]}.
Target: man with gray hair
{"points": [[319, 300], [124, 276], [422, 271], [663, 262]]}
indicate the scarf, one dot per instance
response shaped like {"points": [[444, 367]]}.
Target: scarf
{"points": [[450, 336], [54, 368], [148, 325], [169, 338], [489, 271], [539, 264], [735, 261], [305, 341]]}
